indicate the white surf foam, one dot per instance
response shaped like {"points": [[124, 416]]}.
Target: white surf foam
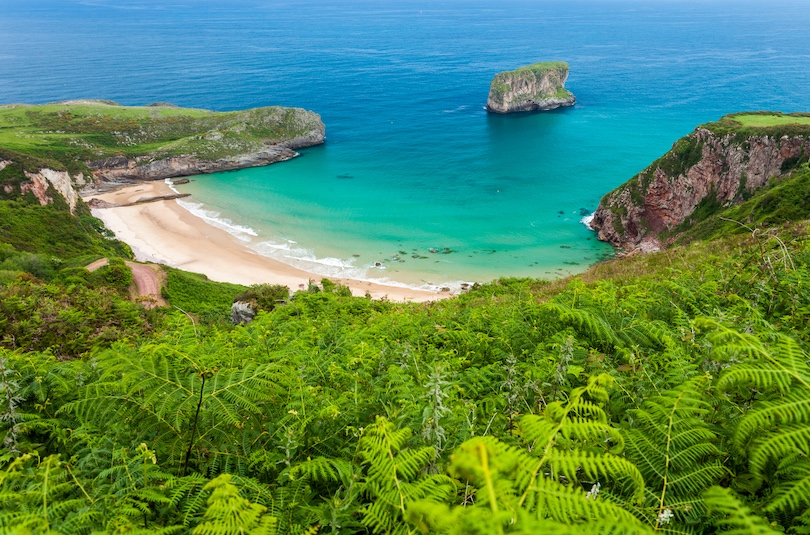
{"points": [[213, 218], [291, 253]]}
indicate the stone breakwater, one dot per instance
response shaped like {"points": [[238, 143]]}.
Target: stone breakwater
{"points": [[535, 87], [642, 213]]}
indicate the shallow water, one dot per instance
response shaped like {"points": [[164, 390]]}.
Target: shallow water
{"points": [[412, 161]]}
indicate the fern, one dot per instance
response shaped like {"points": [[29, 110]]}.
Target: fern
{"points": [[498, 472], [177, 403], [38, 495], [731, 516], [675, 448], [394, 476], [230, 514], [774, 434], [571, 446]]}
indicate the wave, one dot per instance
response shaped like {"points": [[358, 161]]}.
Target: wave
{"points": [[291, 253], [587, 221]]}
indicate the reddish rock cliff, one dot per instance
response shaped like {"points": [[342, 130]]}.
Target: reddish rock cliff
{"points": [[706, 168]]}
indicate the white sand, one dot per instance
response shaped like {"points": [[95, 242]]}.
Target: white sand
{"points": [[166, 233]]}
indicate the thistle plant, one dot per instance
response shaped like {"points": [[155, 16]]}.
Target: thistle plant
{"points": [[432, 429], [10, 417]]}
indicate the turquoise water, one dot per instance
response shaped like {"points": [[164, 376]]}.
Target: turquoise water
{"points": [[412, 161]]}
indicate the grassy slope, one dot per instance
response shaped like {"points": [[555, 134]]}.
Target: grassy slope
{"points": [[92, 130], [770, 119]]}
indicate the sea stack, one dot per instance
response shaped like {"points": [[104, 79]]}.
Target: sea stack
{"points": [[540, 86]]}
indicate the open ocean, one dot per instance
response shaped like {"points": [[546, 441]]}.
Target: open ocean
{"points": [[412, 160]]}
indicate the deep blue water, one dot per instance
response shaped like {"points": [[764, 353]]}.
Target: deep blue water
{"points": [[412, 161]]}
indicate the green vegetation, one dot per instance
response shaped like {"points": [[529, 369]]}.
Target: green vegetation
{"points": [[771, 119], [544, 67], [194, 293], [765, 123], [784, 201], [658, 393], [639, 397], [91, 130], [555, 70], [54, 231]]}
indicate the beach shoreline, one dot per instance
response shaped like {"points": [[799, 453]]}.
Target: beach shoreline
{"points": [[160, 230]]}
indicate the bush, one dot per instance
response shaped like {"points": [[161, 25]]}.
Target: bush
{"points": [[264, 297]]}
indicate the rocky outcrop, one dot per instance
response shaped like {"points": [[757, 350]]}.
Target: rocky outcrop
{"points": [[540, 86], [151, 167], [39, 183], [705, 169], [242, 312]]}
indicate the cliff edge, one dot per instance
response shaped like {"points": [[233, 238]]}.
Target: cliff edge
{"points": [[540, 86], [717, 165], [101, 141]]}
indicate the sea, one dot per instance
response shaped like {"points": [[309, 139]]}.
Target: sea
{"points": [[417, 184]]}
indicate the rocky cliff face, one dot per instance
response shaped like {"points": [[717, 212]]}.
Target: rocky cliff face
{"points": [[152, 167], [703, 169], [38, 184], [536, 87], [46, 185]]}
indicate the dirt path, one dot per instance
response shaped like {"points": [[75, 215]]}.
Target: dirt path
{"points": [[146, 279], [148, 283]]}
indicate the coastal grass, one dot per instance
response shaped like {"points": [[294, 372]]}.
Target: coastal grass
{"points": [[544, 66], [195, 294], [771, 120], [761, 123], [91, 130], [56, 232]]}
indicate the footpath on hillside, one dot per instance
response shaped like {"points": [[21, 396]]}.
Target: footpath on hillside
{"points": [[147, 281]]}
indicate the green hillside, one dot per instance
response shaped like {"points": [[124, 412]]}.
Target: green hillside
{"points": [[91, 130], [667, 392]]}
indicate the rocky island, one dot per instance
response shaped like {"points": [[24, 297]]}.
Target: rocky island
{"points": [[540, 86], [54, 147], [718, 165]]}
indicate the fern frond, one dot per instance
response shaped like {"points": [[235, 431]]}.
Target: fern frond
{"points": [[675, 449], [394, 476], [792, 495], [230, 514], [593, 327], [731, 516], [787, 410], [573, 464], [321, 469], [570, 505]]}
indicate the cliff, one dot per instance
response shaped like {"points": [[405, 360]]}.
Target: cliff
{"points": [[540, 86], [100, 141], [718, 165]]}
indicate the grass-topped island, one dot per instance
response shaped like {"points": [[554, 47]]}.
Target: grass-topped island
{"points": [[540, 86]]}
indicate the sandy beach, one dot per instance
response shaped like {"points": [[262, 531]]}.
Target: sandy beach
{"points": [[164, 232]]}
